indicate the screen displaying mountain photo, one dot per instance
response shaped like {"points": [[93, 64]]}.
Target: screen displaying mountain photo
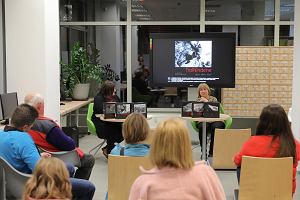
{"points": [[193, 53]]}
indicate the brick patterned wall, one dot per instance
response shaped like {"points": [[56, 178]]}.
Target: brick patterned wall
{"points": [[263, 76]]}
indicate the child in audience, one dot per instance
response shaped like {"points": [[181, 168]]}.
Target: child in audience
{"points": [[135, 130], [274, 138], [175, 175], [50, 180]]}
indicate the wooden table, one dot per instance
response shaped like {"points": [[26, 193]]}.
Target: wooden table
{"points": [[70, 106], [222, 117]]}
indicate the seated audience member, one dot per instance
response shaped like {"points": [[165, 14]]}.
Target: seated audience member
{"points": [[273, 139], [204, 96], [135, 131], [111, 131], [175, 175], [18, 149], [50, 180], [140, 83], [48, 135]]}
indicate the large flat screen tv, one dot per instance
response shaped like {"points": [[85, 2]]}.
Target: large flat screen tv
{"points": [[188, 59]]}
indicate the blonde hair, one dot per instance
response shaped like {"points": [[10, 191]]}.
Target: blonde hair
{"points": [[135, 128], [171, 145], [203, 86], [50, 180]]}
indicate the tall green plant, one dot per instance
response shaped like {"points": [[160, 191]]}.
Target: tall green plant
{"points": [[80, 69]]}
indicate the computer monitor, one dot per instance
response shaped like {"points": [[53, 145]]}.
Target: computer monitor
{"points": [[9, 103]]}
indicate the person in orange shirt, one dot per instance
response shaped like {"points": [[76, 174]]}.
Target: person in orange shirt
{"points": [[273, 139]]}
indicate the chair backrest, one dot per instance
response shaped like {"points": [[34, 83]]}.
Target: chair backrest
{"points": [[90, 124], [120, 180], [266, 178], [171, 91], [14, 180], [70, 157], [228, 142]]}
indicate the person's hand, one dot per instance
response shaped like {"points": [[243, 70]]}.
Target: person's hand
{"points": [[203, 99], [45, 154]]}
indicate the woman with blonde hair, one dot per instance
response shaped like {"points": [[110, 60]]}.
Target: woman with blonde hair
{"points": [[135, 131], [175, 175], [50, 180], [204, 95]]}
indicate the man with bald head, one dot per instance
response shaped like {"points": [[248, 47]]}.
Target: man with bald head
{"points": [[48, 135]]}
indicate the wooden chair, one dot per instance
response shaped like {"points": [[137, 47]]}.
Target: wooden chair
{"points": [[14, 181], [172, 93], [228, 142], [122, 172], [265, 179]]}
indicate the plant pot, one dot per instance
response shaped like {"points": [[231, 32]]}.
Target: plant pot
{"points": [[81, 91]]}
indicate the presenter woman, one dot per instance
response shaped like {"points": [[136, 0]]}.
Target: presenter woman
{"points": [[204, 96], [111, 131]]}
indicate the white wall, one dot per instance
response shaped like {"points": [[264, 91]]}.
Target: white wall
{"points": [[296, 74], [1, 52], [32, 50]]}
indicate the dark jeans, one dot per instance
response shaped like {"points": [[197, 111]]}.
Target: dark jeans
{"points": [[210, 128], [82, 189], [111, 131], [85, 170], [70, 169], [113, 135]]}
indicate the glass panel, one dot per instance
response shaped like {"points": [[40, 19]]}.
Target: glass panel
{"points": [[92, 10], [166, 10], [287, 10], [247, 35], [286, 35], [111, 43], [239, 10], [140, 54]]}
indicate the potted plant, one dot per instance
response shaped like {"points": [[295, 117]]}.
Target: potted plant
{"points": [[83, 68]]}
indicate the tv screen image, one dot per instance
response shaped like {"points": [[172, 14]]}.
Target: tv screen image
{"points": [[198, 109], [140, 108], [186, 110], [123, 110], [193, 53], [188, 59], [109, 110]]}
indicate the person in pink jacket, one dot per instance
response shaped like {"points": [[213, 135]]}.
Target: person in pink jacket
{"points": [[175, 175]]}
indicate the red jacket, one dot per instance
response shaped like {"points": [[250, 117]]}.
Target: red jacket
{"points": [[260, 146]]}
